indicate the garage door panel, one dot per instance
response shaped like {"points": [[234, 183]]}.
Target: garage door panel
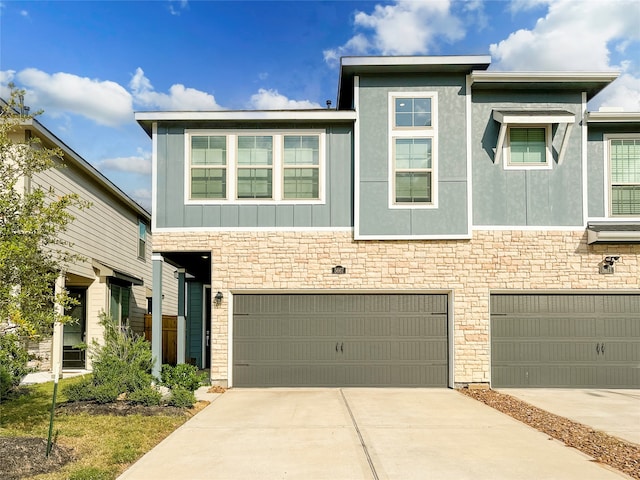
{"points": [[558, 340], [331, 340]]}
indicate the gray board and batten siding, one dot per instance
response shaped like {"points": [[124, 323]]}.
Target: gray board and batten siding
{"points": [[340, 340], [451, 215], [335, 212], [578, 341], [526, 197]]}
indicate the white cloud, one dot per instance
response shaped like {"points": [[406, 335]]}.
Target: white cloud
{"points": [[176, 6], [104, 102], [178, 98], [139, 164], [624, 92], [272, 100], [572, 36], [407, 27]]}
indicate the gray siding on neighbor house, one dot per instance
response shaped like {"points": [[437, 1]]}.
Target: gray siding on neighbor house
{"points": [[525, 197], [336, 211], [597, 177], [450, 217]]}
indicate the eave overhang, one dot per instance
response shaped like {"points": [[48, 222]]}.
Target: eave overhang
{"points": [[590, 82], [110, 272], [613, 232], [613, 117], [328, 115], [377, 65]]}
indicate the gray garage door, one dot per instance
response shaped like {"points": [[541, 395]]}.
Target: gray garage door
{"points": [[340, 340], [565, 341]]}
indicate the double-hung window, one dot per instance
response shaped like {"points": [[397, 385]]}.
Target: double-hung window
{"points": [[208, 170], [624, 165], [255, 166], [412, 149], [142, 239]]}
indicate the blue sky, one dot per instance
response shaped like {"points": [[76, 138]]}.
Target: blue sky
{"points": [[90, 65]]}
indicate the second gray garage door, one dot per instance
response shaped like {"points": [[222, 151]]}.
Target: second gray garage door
{"points": [[340, 340], [565, 341]]}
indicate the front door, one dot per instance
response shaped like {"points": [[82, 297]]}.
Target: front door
{"points": [[74, 333]]}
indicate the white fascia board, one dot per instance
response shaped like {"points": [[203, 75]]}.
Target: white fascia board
{"points": [[531, 117], [613, 117], [481, 76], [413, 60], [320, 115]]}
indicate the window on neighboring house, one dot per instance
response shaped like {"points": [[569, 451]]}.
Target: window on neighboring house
{"points": [[142, 239], [412, 149], [208, 167], [624, 154], [256, 166], [119, 304], [528, 146]]}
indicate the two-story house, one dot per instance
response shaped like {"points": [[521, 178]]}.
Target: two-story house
{"points": [[113, 244], [444, 225]]}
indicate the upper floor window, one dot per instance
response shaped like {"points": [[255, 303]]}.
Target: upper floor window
{"points": [[528, 146], [142, 239], [256, 166], [412, 149], [624, 164]]}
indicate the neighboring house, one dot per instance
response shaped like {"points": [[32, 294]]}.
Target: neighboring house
{"points": [[444, 225], [113, 241]]}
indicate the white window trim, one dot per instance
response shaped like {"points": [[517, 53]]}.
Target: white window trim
{"points": [[413, 132], [607, 174], [277, 166], [528, 166]]}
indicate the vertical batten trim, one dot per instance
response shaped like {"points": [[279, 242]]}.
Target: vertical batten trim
{"points": [[356, 160], [154, 176], [584, 146], [468, 119]]}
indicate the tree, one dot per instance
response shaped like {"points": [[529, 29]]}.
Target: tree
{"points": [[32, 219]]}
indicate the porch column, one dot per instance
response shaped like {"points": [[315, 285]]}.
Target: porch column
{"points": [[182, 324], [156, 314], [57, 340]]}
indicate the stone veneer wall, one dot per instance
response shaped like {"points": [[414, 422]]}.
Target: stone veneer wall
{"points": [[492, 261]]}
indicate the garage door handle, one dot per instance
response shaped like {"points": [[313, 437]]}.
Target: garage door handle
{"points": [[342, 347], [337, 343], [602, 348], [598, 348]]}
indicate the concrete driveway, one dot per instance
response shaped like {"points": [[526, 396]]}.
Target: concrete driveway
{"points": [[614, 411], [352, 434]]}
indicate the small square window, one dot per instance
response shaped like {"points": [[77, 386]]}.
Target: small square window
{"points": [[528, 147]]}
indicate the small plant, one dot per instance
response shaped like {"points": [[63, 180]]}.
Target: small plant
{"points": [[182, 398], [182, 376], [80, 391], [147, 396], [13, 363]]}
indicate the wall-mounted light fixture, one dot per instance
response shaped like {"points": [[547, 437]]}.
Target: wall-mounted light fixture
{"points": [[607, 266], [218, 298]]}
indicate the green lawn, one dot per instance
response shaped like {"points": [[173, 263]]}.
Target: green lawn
{"points": [[104, 445]]}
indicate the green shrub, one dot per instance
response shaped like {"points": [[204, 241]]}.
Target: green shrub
{"points": [[80, 391], [13, 363], [182, 376], [181, 397], [121, 365], [147, 396], [105, 393]]}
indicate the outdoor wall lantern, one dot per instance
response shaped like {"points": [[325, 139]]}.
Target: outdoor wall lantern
{"points": [[218, 298]]}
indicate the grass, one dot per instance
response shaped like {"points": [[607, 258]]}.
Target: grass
{"points": [[104, 445]]}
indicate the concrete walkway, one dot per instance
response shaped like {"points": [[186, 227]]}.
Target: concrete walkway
{"points": [[613, 411], [316, 434]]}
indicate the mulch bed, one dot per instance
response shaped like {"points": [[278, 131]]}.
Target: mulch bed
{"points": [[603, 448], [26, 456]]}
